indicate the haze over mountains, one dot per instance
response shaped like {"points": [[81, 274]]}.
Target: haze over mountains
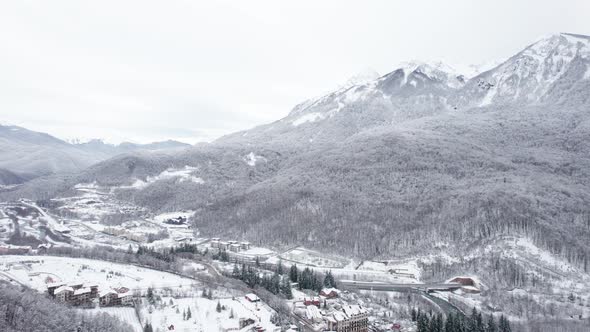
{"points": [[420, 159], [26, 154]]}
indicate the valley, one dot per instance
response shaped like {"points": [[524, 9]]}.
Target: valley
{"points": [[402, 202]]}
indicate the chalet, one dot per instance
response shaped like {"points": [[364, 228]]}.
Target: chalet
{"points": [[51, 287], [329, 293], [252, 297], [108, 298], [63, 294], [93, 290], [125, 299], [234, 247], [223, 245], [82, 296], [352, 318], [311, 301], [214, 243], [245, 245]]}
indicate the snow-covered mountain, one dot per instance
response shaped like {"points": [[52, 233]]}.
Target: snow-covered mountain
{"points": [[552, 69], [400, 164]]}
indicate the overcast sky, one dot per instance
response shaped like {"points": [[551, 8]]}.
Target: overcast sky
{"points": [[194, 70]]}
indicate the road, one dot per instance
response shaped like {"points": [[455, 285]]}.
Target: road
{"points": [[421, 289], [384, 286]]}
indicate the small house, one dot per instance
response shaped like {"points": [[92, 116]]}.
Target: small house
{"points": [[329, 293], [252, 297]]}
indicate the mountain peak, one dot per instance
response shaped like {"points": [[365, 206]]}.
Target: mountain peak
{"points": [[363, 77]]}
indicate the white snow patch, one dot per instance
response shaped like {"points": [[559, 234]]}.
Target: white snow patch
{"points": [[310, 117], [169, 215], [251, 159], [181, 175]]}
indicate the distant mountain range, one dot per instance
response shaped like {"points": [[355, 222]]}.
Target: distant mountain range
{"points": [[418, 160], [26, 154]]}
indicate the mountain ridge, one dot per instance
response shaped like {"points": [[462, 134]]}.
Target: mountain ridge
{"points": [[26, 154], [387, 167]]}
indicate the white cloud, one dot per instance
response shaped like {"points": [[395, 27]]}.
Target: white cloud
{"points": [[144, 70]]}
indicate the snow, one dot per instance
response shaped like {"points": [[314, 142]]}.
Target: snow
{"points": [[204, 316], [179, 174], [487, 100], [125, 314], [251, 159], [540, 254], [436, 70], [310, 117], [587, 73], [257, 251], [35, 271], [361, 78], [314, 258], [52, 223], [169, 215]]}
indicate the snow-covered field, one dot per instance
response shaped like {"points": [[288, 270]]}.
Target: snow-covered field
{"points": [[204, 316], [314, 258], [125, 314], [37, 271]]}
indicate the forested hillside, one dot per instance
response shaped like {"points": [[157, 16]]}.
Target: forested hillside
{"points": [[417, 161]]}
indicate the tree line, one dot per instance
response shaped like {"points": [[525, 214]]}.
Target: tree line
{"points": [[429, 322]]}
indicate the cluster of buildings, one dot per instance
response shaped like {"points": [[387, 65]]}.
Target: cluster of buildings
{"points": [[233, 246], [81, 294], [126, 234], [342, 318]]}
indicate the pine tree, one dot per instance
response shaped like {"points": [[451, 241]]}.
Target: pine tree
{"points": [[450, 323], [184, 314], [150, 295], [257, 261], [293, 273], [504, 325], [479, 323], [218, 308], [329, 281], [286, 288], [423, 324], [188, 313], [243, 274], [236, 272], [231, 313], [491, 325], [413, 314], [280, 268], [472, 321], [148, 328]]}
